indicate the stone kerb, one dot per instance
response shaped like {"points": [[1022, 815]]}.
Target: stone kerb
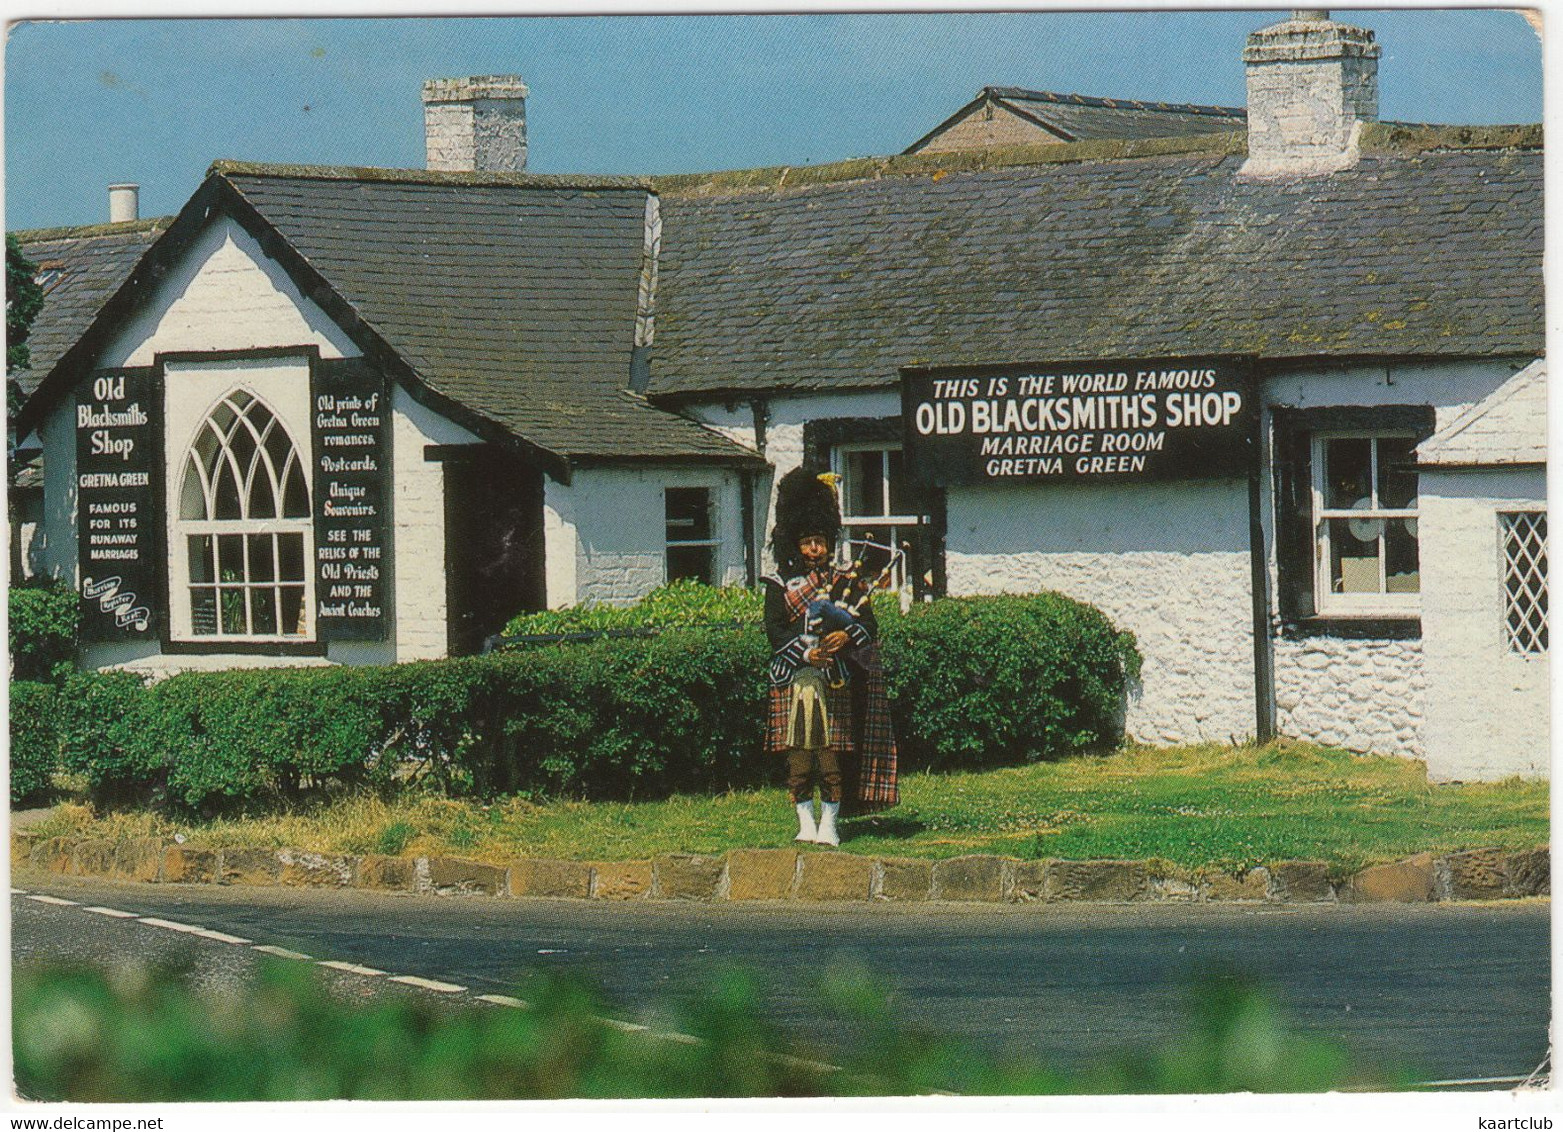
{"points": [[747, 875]]}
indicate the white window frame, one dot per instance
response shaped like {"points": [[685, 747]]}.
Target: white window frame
{"points": [[182, 627], [714, 541], [1382, 603], [856, 525]]}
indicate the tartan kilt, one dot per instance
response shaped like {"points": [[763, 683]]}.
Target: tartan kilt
{"points": [[859, 726], [838, 704], [870, 779]]}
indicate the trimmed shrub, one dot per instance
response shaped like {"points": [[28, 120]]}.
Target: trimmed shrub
{"points": [[993, 681], [35, 739], [42, 631], [107, 733], [974, 681], [685, 602]]}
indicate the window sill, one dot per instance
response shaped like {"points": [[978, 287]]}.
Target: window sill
{"points": [[244, 648], [1403, 627]]}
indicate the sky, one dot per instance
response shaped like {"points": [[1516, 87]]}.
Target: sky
{"points": [[93, 102]]}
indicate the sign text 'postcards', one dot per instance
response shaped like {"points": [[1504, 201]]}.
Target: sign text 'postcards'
{"points": [[1103, 421], [118, 517], [351, 424]]}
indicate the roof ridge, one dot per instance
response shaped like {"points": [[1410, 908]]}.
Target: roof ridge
{"points": [[377, 173], [79, 231], [1207, 108], [938, 165]]}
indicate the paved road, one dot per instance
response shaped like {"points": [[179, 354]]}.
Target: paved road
{"points": [[1449, 991]]}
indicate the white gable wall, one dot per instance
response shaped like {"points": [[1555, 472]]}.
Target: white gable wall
{"points": [[1487, 706], [225, 294]]}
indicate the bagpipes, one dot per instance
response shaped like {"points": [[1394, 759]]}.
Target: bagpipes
{"points": [[840, 607]]}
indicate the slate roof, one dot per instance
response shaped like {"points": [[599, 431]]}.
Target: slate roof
{"points": [[837, 286], [1508, 426], [1082, 117], [79, 268], [514, 296], [517, 301]]}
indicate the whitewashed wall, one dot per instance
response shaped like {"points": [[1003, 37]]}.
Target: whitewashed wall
{"points": [[1487, 707], [784, 438], [1169, 562], [1366, 695], [1363, 695], [226, 294], [606, 533]]}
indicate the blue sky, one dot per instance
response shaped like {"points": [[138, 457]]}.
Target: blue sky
{"points": [[156, 101]]}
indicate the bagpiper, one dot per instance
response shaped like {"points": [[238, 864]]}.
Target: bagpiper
{"points": [[829, 712]]}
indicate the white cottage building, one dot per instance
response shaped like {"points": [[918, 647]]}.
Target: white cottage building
{"points": [[1231, 388]]}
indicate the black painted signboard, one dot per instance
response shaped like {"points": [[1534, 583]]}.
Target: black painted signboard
{"points": [[1112, 421], [119, 513], [352, 492]]}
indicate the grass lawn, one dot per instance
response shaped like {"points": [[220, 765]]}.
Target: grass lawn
{"points": [[1199, 807]]}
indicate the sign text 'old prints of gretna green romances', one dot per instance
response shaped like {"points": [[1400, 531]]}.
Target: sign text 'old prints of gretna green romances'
{"points": [[1139, 419]]}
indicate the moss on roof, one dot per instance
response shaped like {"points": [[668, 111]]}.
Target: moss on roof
{"points": [[1395, 138], [81, 231], [425, 176], [1379, 138]]}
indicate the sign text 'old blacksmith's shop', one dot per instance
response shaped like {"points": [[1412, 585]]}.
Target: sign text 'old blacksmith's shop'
{"points": [[1114, 420]]}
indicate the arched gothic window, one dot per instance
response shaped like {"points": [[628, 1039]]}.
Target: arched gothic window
{"points": [[244, 517]]}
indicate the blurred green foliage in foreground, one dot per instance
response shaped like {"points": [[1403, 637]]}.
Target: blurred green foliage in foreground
{"points": [[81, 1034]]}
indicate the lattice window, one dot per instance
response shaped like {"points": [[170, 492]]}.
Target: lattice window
{"points": [[244, 515], [1524, 538]]}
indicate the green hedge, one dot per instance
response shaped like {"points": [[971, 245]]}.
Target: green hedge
{"points": [[685, 602], [42, 631], [35, 739], [973, 681]]}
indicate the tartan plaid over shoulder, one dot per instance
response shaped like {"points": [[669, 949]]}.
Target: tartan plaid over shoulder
{"points": [[859, 710]]}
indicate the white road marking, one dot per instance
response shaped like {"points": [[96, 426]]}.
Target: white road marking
{"points": [[552, 951], [18, 892], [220, 937], [503, 1000], [428, 984], [171, 925], [454, 988], [350, 968], [669, 1035]]}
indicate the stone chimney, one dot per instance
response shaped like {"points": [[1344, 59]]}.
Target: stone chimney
{"points": [[124, 203], [1312, 83], [475, 124]]}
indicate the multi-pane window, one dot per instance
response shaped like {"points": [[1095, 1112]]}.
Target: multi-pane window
{"points": [[1365, 523], [244, 519], [691, 547], [875, 501], [1523, 536]]}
